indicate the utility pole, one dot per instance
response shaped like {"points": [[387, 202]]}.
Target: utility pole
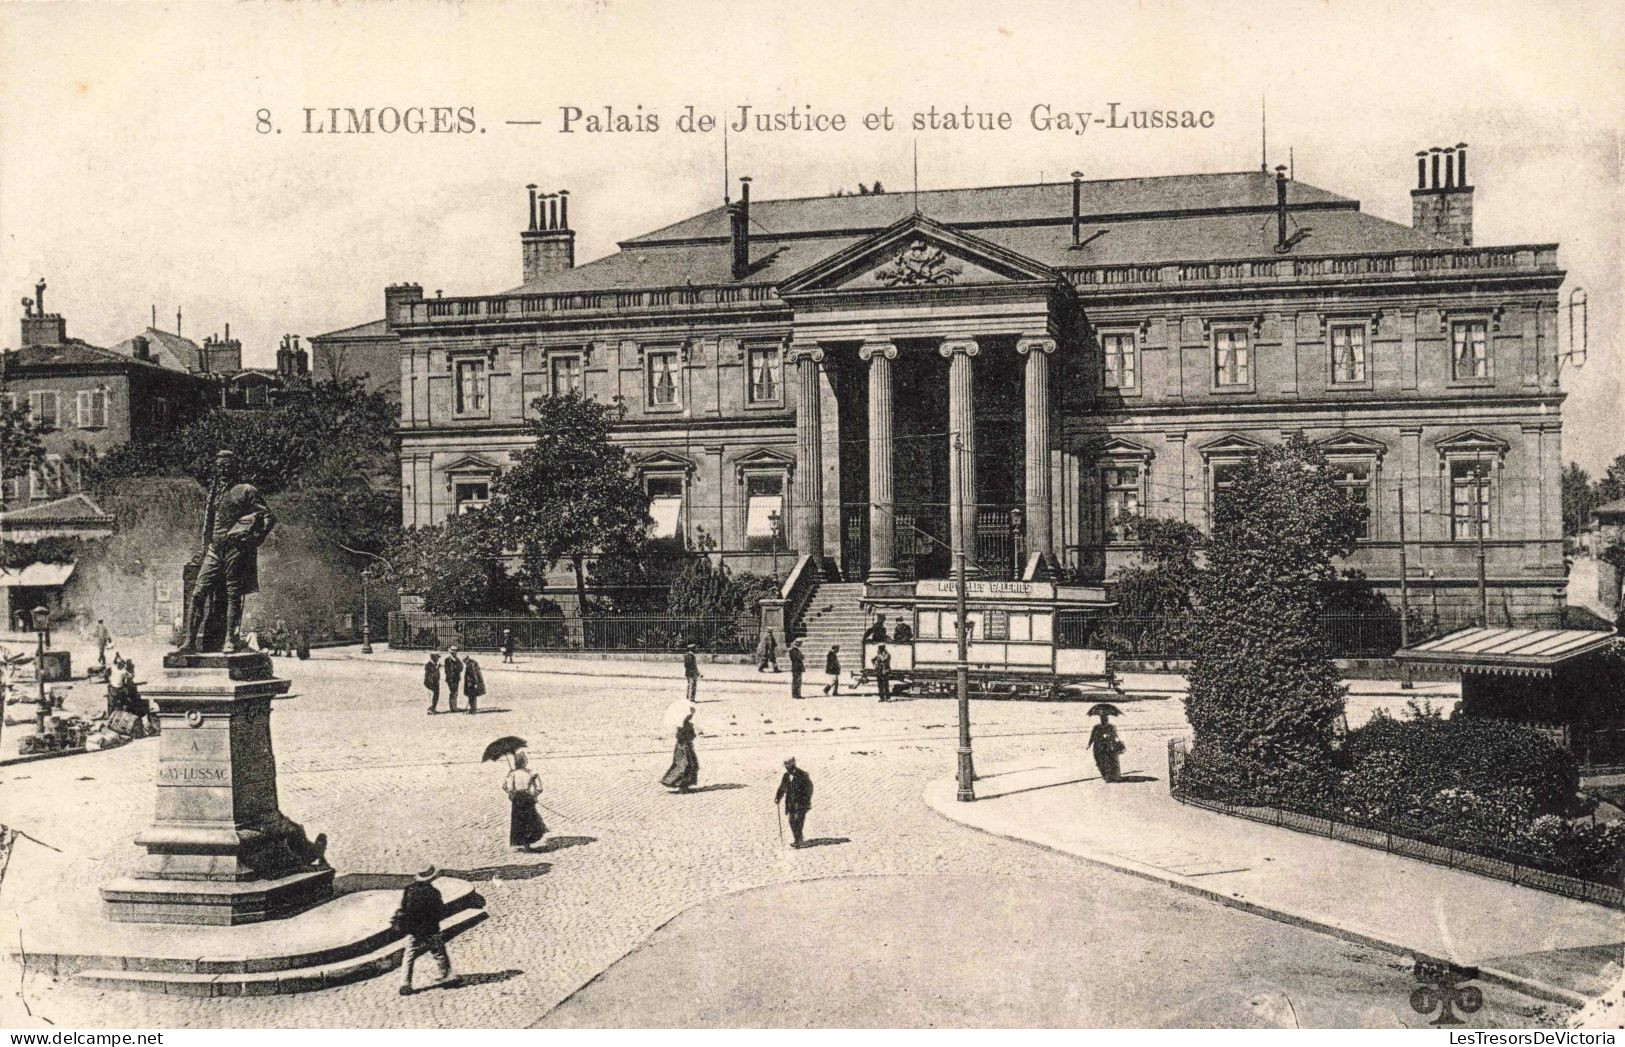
{"points": [[967, 770], [1480, 504], [1405, 681]]}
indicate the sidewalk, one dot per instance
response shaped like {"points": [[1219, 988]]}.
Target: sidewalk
{"points": [[1541, 944]]}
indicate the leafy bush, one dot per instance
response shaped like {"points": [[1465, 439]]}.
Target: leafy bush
{"points": [[1399, 766]]}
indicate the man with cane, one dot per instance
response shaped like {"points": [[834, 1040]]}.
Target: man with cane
{"points": [[795, 789]]}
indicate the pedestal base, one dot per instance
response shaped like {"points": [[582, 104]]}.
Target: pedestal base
{"points": [[215, 904], [220, 852]]}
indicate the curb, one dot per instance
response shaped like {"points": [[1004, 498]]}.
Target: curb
{"points": [[1527, 986]]}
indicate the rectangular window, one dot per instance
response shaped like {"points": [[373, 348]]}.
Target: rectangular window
{"points": [[1348, 354], [1354, 478], [470, 495], [11, 489], [43, 407], [1120, 490], [1470, 500], [1120, 350], [1223, 476], [765, 378], [92, 408], [662, 378], [764, 513], [1232, 367], [48, 480], [564, 375], [469, 395], [665, 507], [1470, 351]]}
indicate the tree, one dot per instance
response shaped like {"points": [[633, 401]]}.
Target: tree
{"points": [[456, 567], [571, 494], [21, 446], [1163, 582], [1264, 695], [1578, 499], [1612, 485]]}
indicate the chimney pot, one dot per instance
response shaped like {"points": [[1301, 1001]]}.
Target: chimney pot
{"points": [[1280, 208], [1421, 169], [1449, 168], [531, 188], [1435, 151], [564, 208], [1461, 164]]}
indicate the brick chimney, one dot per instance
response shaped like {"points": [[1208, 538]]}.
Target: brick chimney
{"points": [[222, 355], [39, 326], [548, 246], [398, 300], [141, 349], [1443, 207]]}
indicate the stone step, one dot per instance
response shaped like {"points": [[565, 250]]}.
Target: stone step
{"points": [[380, 960]]}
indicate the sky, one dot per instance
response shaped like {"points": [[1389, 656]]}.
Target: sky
{"points": [[135, 170]]}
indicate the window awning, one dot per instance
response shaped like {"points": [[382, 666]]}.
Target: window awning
{"points": [[1531, 652], [35, 575]]}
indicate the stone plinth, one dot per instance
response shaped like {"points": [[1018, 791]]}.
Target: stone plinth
{"points": [[220, 850]]}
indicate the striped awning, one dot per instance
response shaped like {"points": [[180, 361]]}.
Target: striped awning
{"points": [[1532, 652]]}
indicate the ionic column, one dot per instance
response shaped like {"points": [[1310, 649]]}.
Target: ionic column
{"points": [[962, 460], [882, 513], [809, 452], [1036, 426]]}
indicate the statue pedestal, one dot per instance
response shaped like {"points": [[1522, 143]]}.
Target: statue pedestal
{"points": [[220, 850]]}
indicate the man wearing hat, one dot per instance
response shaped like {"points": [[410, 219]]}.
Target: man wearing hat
{"points": [[453, 667], [798, 665], [431, 681], [691, 671], [795, 789], [419, 918]]}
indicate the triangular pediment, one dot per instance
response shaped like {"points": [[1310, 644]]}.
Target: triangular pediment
{"points": [[1231, 444], [1472, 441], [1118, 447], [1351, 443], [915, 254], [472, 463], [664, 461]]}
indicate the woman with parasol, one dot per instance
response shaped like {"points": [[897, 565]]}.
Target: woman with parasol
{"points": [[523, 786], [1104, 742], [684, 771]]}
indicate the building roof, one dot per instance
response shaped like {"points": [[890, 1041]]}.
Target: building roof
{"points": [[71, 353], [1615, 508], [75, 508], [370, 329], [169, 350], [1516, 651], [1141, 221]]}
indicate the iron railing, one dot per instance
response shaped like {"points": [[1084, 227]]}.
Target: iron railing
{"points": [[1408, 841], [412, 630]]}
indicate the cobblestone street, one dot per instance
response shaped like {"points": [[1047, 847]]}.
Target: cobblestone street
{"points": [[393, 788]]}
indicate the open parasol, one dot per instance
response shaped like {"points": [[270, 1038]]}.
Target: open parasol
{"points": [[1104, 709], [676, 713], [507, 745]]}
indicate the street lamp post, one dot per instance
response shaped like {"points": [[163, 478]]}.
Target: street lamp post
{"points": [[776, 522], [967, 769], [366, 616], [42, 627]]}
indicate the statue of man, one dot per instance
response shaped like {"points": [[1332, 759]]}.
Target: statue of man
{"points": [[237, 522]]}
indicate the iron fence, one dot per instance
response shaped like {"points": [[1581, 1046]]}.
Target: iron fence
{"points": [[420, 631], [1408, 841]]}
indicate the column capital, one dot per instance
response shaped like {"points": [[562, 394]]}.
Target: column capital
{"points": [[954, 346], [870, 350], [1039, 343], [805, 350]]}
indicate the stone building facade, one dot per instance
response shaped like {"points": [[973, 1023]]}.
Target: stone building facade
{"points": [[825, 376]]}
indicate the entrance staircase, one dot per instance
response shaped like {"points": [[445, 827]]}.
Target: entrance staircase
{"points": [[832, 617]]}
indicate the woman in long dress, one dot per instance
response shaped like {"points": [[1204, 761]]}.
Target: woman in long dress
{"points": [[523, 785], [1106, 746], [685, 764]]}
